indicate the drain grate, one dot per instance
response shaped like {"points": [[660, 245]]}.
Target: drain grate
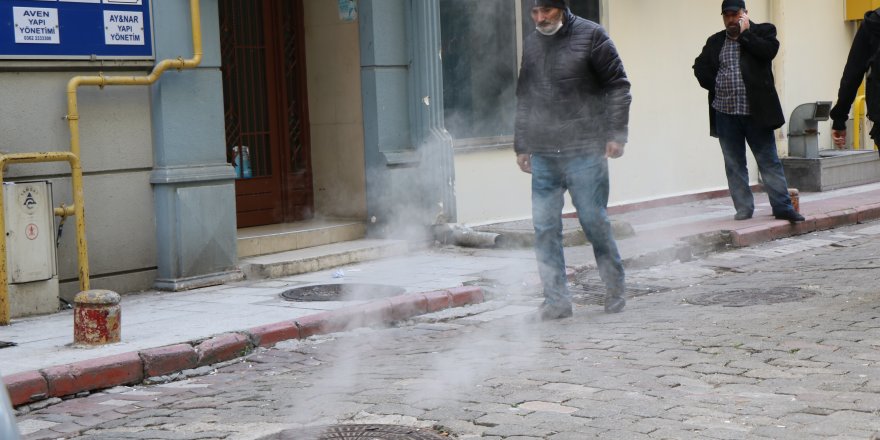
{"points": [[342, 292], [4, 344], [594, 293], [751, 297], [357, 432]]}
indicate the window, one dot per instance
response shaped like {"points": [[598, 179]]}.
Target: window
{"points": [[480, 65]]}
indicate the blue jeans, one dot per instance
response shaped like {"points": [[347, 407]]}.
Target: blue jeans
{"points": [[585, 176], [733, 132]]}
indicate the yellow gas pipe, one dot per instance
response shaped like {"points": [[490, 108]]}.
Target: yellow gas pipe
{"points": [[858, 105], [74, 154]]}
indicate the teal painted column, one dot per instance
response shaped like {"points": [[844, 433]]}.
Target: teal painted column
{"points": [[193, 186], [410, 169]]}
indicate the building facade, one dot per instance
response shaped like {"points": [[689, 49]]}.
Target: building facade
{"points": [[397, 114]]}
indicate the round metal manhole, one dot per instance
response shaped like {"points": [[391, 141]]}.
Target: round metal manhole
{"points": [[751, 297], [341, 292], [357, 432]]}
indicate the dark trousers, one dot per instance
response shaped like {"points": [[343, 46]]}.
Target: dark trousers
{"points": [[733, 133]]}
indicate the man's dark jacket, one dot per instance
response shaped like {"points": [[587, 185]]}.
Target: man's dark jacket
{"points": [[573, 94], [758, 47], [864, 48]]}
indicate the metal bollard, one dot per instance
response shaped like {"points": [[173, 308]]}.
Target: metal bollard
{"points": [[97, 318], [795, 196]]}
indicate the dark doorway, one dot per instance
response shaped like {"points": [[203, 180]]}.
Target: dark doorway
{"points": [[264, 93]]}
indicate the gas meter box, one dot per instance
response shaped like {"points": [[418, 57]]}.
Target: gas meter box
{"points": [[30, 247]]}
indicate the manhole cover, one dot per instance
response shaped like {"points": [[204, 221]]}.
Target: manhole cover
{"points": [[342, 292], [357, 432], [751, 297], [594, 293]]}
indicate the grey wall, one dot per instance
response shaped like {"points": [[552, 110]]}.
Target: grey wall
{"points": [[155, 177], [410, 174], [116, 144], [193, 185]]}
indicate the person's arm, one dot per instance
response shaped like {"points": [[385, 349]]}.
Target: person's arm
{"points": [[704, 69], [759, 40], [606, 63], [853, 74], [521, 123]]}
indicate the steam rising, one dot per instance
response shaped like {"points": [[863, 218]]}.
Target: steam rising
{"points": [[417, 373]]}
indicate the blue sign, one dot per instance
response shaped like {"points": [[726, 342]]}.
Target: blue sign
{"points": [[76, 29]]}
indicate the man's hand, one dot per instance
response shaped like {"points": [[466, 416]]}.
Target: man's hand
{"points": [[839, 138], [525, 162], [744, 23], [613, 149]]}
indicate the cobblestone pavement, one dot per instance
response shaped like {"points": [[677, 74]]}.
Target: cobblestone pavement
{"points": [[695, 361]]}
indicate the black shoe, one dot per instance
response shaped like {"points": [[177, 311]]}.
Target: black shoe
{"points": [[614, 303], [743, 215], [549, 313], [790, 216]]}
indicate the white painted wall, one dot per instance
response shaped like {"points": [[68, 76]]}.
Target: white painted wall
{"points": [[814, 41], [670, 151], [491, 188], [335, 112]]}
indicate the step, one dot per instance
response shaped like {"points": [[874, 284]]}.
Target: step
{"points": [[321, 257], [272, 239]]}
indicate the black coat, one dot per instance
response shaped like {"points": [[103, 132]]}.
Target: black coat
{"points": [[865, 46], [572, 93], [758, 47]]}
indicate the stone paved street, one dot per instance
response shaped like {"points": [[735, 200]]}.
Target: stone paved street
{"points": [[672, 366]]}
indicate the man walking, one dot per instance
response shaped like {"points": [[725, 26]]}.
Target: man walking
{"points": [[864, 54], [573, 100], [735, 66]]}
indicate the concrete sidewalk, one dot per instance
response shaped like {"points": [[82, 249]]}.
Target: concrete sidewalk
{"points": [[165, 333]]}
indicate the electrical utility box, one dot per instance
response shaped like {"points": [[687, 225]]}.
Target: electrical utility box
{"points": [[30, 248]]}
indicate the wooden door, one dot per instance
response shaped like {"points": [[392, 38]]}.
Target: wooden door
{"points": [[264, 95]]}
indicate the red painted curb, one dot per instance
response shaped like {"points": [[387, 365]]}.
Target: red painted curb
{"points": [[26, 387], [867, 213], [438, 300], [375, 312], [166, 360], [94, 374], [818, 222], [332, 321], [311, 325], [130, 368], [406, 306], [824, 222], [844, 217], [270, 334], [462, 296], [749, 236], [222, 348]]}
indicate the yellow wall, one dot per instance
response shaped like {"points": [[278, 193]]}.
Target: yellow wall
{"points": [[855, 9], [334, 85]]}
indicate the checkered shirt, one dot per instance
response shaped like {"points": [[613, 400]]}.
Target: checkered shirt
{"points": [[730, 90]]}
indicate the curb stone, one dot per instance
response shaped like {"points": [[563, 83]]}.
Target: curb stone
{"points": [[131, 368]]}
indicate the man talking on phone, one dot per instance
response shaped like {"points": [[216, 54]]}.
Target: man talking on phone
{"points": [[735, 66]]}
